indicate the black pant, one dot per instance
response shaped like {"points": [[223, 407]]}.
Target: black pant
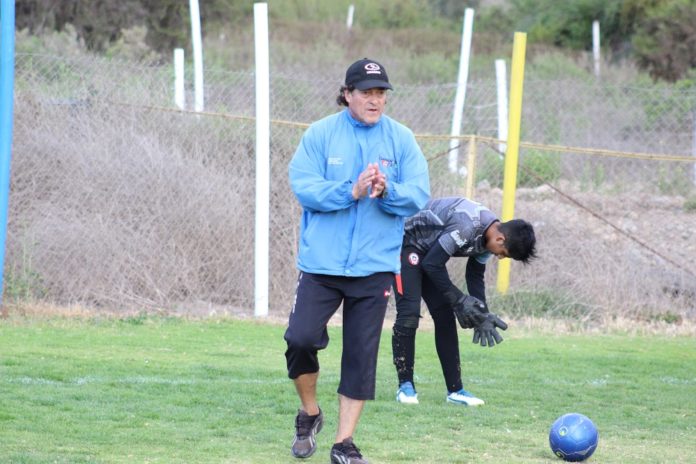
{"points": [[417, 285], [364, 306]]}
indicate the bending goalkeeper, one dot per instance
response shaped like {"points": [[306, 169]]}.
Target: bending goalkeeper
{"points": [[445, 228]]}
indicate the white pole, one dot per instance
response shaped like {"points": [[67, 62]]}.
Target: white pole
{"points": [[595, 46], [197, 54], [263, 161], [179, 93], [460, 96], [349, 18], [501, 81]]}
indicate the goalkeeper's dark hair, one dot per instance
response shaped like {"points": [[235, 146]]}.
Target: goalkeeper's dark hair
{"points": [[520, 241]]}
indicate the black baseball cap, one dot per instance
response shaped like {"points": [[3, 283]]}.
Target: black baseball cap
{"points": [[367, 74]]}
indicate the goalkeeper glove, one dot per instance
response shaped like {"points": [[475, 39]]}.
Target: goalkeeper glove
{"points": [[470, 311], [486, 332]]}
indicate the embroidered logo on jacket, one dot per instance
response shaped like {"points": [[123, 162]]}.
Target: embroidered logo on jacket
{"points": [[335, 161], [386, 162]]}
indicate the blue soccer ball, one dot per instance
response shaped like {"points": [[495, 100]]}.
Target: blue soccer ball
{"points": [[573, 437]]}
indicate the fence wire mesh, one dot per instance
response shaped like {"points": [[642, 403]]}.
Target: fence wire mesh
{"points": [[120, 201]]}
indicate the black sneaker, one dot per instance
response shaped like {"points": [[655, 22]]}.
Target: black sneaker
{"points": [[346, 453], [306, 427]]}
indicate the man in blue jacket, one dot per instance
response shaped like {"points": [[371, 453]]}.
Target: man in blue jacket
{"points": [[357, 175]]}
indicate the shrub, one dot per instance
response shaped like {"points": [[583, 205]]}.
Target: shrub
{"points": [[537, 168], [664, 40]]}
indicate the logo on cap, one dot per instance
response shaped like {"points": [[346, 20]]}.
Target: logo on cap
{"points": [[372, 68]]}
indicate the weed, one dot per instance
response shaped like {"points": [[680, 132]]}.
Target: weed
{"points": [[690, 204], [138, 319], [23, 282], [542, 304], [667, 317], [671, 183], [592, 177]]}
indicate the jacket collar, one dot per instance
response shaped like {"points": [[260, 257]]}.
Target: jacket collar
{"points": [[355, 123]]}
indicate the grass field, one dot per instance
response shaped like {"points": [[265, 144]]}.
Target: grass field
{"points": [[160, 390]]}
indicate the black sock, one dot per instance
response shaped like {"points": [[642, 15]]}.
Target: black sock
{"points": [[404, 351]]}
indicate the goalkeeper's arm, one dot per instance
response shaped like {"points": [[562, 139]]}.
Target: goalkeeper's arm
{"points": [[475, 284], [434, 264]]}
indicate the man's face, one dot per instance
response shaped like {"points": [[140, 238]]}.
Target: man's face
{"points": [[366, 106], [497, 247]]}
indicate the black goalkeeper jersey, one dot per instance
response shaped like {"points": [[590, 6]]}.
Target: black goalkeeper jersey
{"points": [[458, 224]]}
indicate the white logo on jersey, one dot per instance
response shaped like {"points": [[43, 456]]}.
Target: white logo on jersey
{"points": [[457, 239], [413, 259]]}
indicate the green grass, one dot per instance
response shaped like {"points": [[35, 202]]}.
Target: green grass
{"points": [[158, 390]]}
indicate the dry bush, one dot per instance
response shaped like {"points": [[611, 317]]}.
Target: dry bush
{"points": [[115, 206]]}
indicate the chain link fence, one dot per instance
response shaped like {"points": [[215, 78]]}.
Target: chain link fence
{"points": [[121, 201]]}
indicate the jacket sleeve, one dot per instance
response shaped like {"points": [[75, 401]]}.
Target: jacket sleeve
{"points": [[307, 180], [434, 265], [475, 271], [409, 194]]}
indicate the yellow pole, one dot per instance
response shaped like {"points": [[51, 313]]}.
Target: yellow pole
{"points": [[513, 147], [471, 168]]}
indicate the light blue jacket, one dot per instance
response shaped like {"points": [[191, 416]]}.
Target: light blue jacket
{"points": [[342, 236]]}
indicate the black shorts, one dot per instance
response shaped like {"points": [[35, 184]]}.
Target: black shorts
{"points": [[364, 306]]}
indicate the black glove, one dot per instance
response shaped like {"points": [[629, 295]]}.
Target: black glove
{"points": [[486, 332], [470, 311]]}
